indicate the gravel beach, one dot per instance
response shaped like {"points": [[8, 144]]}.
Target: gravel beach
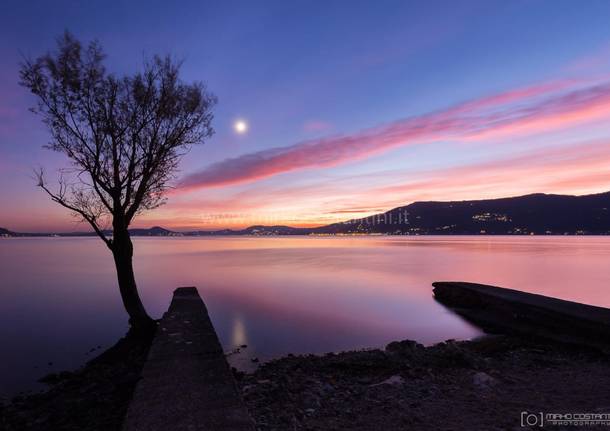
{"points": [[483, 384]]}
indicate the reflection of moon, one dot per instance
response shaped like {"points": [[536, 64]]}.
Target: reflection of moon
{"points": [[240, 126], [238, 333]]}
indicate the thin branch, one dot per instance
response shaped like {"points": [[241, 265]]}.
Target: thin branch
{"points": [[59, 198]]}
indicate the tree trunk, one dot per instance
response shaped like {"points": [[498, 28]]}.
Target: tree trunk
{"points": [[122, 251]]}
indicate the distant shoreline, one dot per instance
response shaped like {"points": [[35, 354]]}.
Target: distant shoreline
{"points": [[533, 214], [189, 235]]}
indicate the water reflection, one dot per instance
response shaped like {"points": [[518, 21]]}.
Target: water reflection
{"points": [[58, 296], [238, 334]]}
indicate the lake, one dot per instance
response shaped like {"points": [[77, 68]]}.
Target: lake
{"points": [[59, 300]]}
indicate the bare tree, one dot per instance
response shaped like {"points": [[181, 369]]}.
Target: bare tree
{"points": [[124, 137]]}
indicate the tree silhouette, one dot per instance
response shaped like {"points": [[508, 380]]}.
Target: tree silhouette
{"points": [[124, 137]]}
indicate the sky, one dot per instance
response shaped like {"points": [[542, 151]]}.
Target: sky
{"points": [[352, 107]]}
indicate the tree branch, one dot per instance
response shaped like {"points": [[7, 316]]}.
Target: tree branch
{"points": [[59, 198]]}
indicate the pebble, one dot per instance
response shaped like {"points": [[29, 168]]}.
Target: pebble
{"points": [[394, 380], [483, 380]]}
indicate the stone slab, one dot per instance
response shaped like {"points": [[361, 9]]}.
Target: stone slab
{"points": [[186, 381], [498, 309]]}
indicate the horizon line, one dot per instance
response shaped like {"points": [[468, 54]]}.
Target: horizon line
{"points": [[310, 226]]}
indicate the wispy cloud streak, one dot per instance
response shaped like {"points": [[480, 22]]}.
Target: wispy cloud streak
{"points": [[534, 109], [578, 168]]}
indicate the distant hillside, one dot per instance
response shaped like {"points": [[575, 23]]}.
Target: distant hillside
{"points": [[539, 214], [5, 232], [153, 231], [530, 214]]}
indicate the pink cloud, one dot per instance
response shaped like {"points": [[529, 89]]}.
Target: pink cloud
{"points": [[580, 168], [534, 109]]}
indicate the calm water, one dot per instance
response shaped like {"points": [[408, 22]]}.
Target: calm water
{"points": [[58, 297]]}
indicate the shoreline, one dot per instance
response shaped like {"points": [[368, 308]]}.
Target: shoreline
{"points": [[93, 397], [477, 384], [482, 384]]}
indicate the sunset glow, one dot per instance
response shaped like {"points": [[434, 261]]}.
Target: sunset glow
{"points": [[449, 129], [304, 215]]}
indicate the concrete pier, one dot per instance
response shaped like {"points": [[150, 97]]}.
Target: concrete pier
{"points": [[497, 309], [186, 382]]}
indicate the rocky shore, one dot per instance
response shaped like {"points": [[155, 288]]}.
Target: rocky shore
{"points": [[482, 384], [93, 398]]}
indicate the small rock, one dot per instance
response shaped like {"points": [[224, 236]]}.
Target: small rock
{"points": [[483, 380], [327, 387], [393, 380], [402, 346], [247, 388]]}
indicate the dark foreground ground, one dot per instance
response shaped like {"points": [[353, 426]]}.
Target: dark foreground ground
{"points": [[476, 385]]}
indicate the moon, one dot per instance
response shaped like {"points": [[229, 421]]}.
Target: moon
{"points": [[240, 126]]}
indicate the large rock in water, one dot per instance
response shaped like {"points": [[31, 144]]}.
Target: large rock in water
{"points": [[497, 309]]}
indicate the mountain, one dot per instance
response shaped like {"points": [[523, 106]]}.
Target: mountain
{"points": [[530, 214], [6, 232], [153, 231], [538, 214]]}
